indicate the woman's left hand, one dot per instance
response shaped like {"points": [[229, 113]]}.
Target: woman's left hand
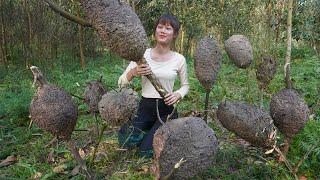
{"points": [[171, 98]]}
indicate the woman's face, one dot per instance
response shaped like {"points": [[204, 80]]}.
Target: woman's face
{"points": [[164, 33]]}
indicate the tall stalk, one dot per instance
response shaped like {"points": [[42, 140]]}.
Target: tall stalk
{"points": [[206, 105], [289, 42]]}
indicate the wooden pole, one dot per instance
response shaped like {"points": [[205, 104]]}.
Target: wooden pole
{"points": [[206, 105], [2, 52], [80, 38], [289, 42], [4, 35]]}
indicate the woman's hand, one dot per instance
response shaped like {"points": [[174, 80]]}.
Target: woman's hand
{"points": [[171, 98], [142, 70]]}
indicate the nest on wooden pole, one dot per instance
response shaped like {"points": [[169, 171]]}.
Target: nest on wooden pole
{"points": [[289, 112], [239, 50], [248, 122], [122, 31], [93, 92], [118, 26], [207, 62], [189, 141], [118, 107], [53, 110], [266, 71]]}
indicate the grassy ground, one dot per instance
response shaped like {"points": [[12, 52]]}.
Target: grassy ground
{"points": [[235, 160]]}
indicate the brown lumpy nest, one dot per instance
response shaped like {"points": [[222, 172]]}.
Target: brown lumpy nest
{"points": [[53, 110], [248, 122], [92, 95], [207, 61], [118, 107], [289, 111], [266, 71], [118, 26], [239, 50], [189, 138]]}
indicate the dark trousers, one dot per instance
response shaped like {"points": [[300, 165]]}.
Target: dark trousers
{"points": [[146, 122]]}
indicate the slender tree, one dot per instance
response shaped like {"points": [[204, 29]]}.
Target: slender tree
{"points": [[289, 41], [4, 42], [80, 37]]}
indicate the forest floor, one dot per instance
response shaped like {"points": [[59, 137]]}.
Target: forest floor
{"points": [[23, 154]]}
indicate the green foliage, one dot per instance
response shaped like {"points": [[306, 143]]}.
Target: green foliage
{"points": [[301, 53], [306, 21], [304, 74], [308, 138], [15, 97], [297, 52], [51, 42], [236, 163], [233, 160]]}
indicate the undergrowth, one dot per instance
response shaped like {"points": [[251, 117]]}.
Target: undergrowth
{"points": [[235, 159]]}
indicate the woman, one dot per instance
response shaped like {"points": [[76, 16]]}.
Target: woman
{"points": [[166, 65]]}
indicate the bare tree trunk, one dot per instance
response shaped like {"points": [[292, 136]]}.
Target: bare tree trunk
{"points": [[288, 54], [192, 47], [2, 56], [317, 48], [29, 21], [80, 37], [26, 38], [188, 46], [133, 6], [267, 40], [40, 48], [278, 17], [4, 42], [182, 39]]}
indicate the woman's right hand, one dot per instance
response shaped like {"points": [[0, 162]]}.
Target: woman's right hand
{"points": [[142, 70]]}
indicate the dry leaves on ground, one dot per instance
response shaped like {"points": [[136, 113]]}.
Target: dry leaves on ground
{"points": [[8, 161], [60, 169]]}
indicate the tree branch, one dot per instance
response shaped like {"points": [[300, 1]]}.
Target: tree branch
{"points": [[286, 162], [154, 81], [296, 168], [65, 14], [175, 168], [81, 98], [158, 114]]}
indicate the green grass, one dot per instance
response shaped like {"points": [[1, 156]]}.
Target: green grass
{"points": [[234, 160]]}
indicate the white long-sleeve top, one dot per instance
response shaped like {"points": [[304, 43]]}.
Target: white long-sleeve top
{"points": [[165, 71]]}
